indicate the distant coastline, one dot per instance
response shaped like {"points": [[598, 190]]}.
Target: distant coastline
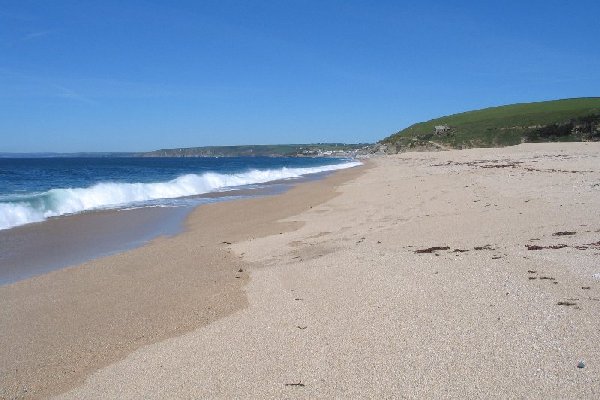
{"points": [[339, 150], [563, 120]]}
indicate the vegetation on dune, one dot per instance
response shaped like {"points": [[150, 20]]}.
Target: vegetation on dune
{"points": [[558, 120]]}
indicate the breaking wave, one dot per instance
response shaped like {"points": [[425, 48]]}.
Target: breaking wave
{"points": [[55, 202]]}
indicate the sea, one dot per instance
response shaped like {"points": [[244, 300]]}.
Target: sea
{"points": [[58, 211]]}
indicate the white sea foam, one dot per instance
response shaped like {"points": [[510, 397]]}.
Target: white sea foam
{"points": [[58, 202]]}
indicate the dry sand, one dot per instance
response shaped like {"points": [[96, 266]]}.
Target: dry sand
{"points": [[341, 303]]}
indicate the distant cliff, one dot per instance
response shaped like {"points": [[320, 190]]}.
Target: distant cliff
{"points": [[280, 150]]}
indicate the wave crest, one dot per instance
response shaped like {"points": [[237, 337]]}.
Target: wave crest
{"points": [[56, 202]]}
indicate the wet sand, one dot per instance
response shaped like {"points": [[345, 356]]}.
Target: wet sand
{"points": [[431, 275], [39, 248], [59, 327]]}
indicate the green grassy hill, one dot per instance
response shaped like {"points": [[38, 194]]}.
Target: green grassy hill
{"points": [[558, 120]]}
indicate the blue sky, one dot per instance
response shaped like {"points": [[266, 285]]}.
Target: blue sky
{"points": [[141, 75]]}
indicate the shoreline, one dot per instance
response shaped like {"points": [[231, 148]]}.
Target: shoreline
{"points": [[356, 302], [59, 242], [63, 325]]}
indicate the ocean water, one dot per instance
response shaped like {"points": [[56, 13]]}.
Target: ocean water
{"points": [[35, 189], [57, 212]]}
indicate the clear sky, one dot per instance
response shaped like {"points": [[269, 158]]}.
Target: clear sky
{"points": [[145, 74]]}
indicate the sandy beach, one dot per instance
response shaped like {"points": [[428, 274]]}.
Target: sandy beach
{"points": [[454, 274], [59, 327]]}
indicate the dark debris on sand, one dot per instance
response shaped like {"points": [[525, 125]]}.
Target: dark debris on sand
{"points": [[432, 249], [299, 384], [536, 247]]}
